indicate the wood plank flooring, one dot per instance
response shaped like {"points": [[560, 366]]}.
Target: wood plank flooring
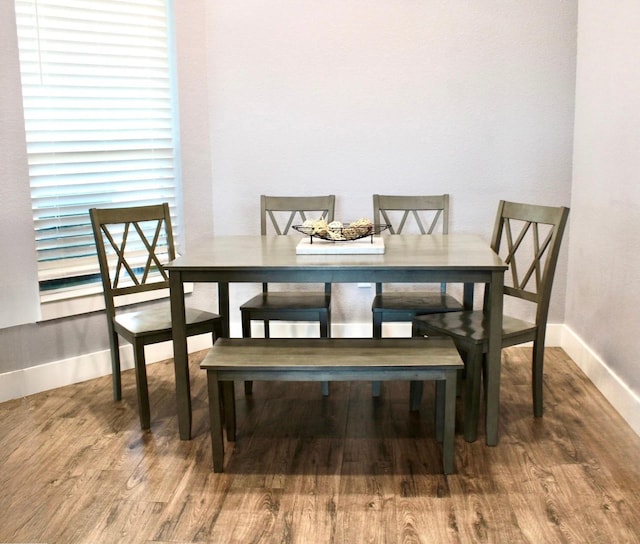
{"points": [[74, 467]]}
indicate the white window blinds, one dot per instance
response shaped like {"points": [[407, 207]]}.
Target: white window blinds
{"points": [[99, 118]]}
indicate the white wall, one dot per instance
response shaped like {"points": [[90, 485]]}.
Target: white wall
{"points": [[18, 273], [604, 260], [192, 52], [355, 97], [351, 97]]}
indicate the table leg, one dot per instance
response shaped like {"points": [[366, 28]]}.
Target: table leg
{"points": [[180, 357], [467, 297], [495, 303], [223, 307]]}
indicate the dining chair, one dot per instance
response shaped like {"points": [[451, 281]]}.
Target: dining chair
{"points": [[421, 214], [278, 214], [132, 245], [528, 238]]}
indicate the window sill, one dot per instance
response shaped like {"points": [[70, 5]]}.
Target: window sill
{"points": [[61, 304]]}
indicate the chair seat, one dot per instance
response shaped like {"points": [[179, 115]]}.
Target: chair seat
{"points": [[415, 303], [470, 328], [293, 302], [151, 322]]}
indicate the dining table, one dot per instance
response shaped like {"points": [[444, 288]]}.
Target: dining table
{"points": [[407, 258]]}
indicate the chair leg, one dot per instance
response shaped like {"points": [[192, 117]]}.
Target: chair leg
{"points": [[415, 329], [377, 324], [246, 325], [376, 387], [415, 395], [473, 373], [142, 387], [248, 387], [325, 332], [217, 332], [537, 377], [325, 325], [116, 378], [246, 333]]}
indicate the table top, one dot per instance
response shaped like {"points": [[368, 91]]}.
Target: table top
{"points": [[402, 252]]}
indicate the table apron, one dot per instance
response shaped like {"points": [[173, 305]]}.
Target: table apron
{"points": [[358, 275]]}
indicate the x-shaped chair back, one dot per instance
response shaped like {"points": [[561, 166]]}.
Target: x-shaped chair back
{"points": [[132, 245], [285, 211], [407, 214], [416, 214], [528, 238], [282, 211]]}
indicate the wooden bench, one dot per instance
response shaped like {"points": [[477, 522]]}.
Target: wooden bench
{"points": [[330, 359]]}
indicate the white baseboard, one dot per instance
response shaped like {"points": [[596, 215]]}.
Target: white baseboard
{"points": [[35, 379], [28, 381], [31, 380], [625, 401]]}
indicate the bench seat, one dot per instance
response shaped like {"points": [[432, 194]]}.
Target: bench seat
{"points": [[330, 359]]}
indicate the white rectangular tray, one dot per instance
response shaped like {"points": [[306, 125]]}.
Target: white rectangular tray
{"points": [[363, 246]]}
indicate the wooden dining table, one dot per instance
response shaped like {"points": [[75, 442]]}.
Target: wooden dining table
{"points": [[452, 258]]}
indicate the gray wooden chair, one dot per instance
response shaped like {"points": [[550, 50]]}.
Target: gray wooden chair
{"points": [[528, 237], [277, 215], [132, 245], [425, 215]]}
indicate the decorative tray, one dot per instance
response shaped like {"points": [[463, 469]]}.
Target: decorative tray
{"points": [[337, 231]]}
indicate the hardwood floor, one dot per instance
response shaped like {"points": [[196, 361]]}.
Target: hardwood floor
{"points": [[74, 467]]}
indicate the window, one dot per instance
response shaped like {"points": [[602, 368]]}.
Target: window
{"points": [[100, 121]]}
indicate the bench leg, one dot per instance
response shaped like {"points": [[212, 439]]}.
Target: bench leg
{"points": [[439, 409], [229, 404], [446, 418], [215, 421], [473, 384]]}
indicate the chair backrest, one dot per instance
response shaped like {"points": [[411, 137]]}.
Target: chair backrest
{"points": [[284, 211], [528, 238], [280, 212], [133, 244], [422, 214]]}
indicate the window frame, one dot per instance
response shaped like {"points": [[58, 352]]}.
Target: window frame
{"points": [[69, 300]]}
